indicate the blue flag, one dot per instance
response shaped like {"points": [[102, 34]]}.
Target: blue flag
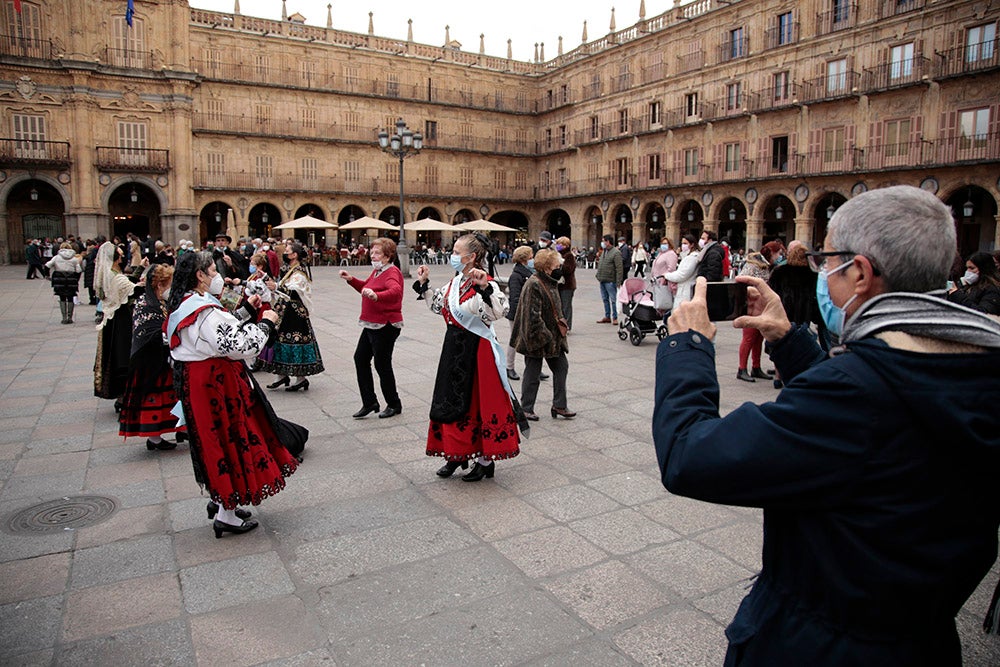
{"points": [[129, 11]]}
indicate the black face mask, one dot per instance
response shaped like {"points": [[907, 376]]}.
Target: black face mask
{"points": [[556, 274]]}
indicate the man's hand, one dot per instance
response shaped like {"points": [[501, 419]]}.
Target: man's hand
{"points": [[764, 311], [254, 300], [693, 315], [227, 259]]}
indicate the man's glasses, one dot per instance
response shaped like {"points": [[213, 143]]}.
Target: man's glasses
{"points": [[817, 260]]}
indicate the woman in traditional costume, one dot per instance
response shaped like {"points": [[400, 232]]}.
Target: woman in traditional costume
{"points": [[114, 339], [236, 454], [474, 413], [149, 393], [296, 353]]}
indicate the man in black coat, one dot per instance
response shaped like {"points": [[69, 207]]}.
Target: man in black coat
{"points": [[626, 253], [34, 258], [231, 264], [713, 257]]}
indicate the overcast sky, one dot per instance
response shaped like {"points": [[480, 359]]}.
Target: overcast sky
{"points": [[523, 21]]}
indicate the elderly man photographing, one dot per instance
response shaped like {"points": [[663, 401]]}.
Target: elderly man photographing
{"points": [[876, 468]]}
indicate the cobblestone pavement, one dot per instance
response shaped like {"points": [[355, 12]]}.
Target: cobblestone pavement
{"points": [[573, 554]]}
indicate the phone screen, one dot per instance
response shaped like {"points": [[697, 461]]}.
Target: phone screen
{"points": [[726, 300]]}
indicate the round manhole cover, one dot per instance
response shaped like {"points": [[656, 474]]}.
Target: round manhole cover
{"points": [[57, 515]]}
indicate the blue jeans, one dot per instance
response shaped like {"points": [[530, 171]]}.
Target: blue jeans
{"points": [[609, 295]]}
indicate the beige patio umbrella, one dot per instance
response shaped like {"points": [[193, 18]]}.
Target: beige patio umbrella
{"points": [[307, 222], [430, 225], [483, 226], [369, 223]]}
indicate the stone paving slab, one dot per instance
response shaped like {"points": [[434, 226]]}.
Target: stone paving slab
{"points": [[573, 554]]}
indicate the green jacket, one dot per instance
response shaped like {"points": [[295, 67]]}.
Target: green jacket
{"points": [[609, 267]]}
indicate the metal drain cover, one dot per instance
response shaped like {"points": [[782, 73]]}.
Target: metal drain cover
{"points": [[54, 516]]}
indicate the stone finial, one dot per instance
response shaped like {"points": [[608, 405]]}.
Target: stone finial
{"points": [[642, 10], [560, 45], [536, 52], [612, 27], [510, 51], [584, 38], [371, 23], [409, 30], [482, 44], [329, 16], [542, 54], [447, 35], [284, 11], [236, 7]]}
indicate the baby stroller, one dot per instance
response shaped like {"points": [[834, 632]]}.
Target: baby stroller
{"points": [[638, 316]]}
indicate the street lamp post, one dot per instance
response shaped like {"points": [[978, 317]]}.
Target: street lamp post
{"points": [[402, 145]]}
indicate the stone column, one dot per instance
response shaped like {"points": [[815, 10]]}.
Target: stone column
{"points": [[996, 233], [804, 230], [4, 249], [755, 233], [638, 231], [673, 230]]}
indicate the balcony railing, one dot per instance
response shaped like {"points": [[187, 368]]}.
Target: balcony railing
{"points": [[831, 87], [25, 47], [730, 170], [728, 105], [690, 62], [896, 74], [841, 18], [128, 58], [30, 153], [894, 156], [894, 7], [208, 122], [775, 99], [113, 158], [777, 36], [960, 149], [734, 49], [969, 59]]}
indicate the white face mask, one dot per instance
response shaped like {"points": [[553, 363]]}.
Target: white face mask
{"points": [[377, 265], [701, 243], [685, 247], [217, 284], [970, 277]]}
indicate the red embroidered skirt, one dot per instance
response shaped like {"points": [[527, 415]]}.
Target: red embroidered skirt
{"points": [[234, 449], [489, 428], [146, 412]]}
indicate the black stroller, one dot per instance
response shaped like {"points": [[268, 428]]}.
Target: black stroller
{"points": [[638, 316]]}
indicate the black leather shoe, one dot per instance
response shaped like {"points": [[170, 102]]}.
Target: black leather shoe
{"points": [[365, 411], [162, 445], [562, 412], [181, 436], [742, 374], [304, 385], [213, 509], [450, 467], [478, 472], [531, 416], [512, 375], [759, 374], [281, 382], [543, 376], [221, 528], [390, 412]]}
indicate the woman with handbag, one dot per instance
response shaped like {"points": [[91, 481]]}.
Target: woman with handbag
{"points": [[474, 413], [540, 333], [236, 451]]}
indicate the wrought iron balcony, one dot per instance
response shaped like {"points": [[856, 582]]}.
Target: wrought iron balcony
{"points": [[840, 18], [831, 87], [30, 153], [969, 59], [113, 158], [25, 47], [895, 7], [128, 58]]}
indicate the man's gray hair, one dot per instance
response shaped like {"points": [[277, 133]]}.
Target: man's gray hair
{"points": [[908, 233]]}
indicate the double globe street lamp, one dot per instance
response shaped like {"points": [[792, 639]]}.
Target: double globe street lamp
{"points": [[404, 143]]}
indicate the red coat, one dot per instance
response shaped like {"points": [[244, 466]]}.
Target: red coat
{"points": [[388, 286]]}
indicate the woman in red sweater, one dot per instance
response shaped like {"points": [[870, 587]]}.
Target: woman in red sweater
{"points": [[381, 321]]}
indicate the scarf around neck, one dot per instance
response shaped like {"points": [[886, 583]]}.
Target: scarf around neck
{"points": [[926, 315]]}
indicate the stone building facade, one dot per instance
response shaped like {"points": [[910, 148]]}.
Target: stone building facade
{"points": [[755, 118]]}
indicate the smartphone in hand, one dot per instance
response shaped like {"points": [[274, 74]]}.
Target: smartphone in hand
{"points": [[726, 300]]}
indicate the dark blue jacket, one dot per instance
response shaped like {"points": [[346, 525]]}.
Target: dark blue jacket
{"points": [[877, 471]]}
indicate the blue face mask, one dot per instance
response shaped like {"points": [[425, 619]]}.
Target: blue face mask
{"points": [[253, 269], [833, 316], [531, 264], [664, 247], [456, 262]]}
